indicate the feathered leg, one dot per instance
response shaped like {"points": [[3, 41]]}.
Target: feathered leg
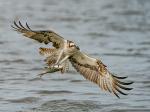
{"points": [[59, 57], [64, 59]]}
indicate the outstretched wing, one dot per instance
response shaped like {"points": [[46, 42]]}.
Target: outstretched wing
{"points": [[95, 71], [41, 36]]}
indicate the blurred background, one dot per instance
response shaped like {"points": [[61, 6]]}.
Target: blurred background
{"points": [[115, 31]]}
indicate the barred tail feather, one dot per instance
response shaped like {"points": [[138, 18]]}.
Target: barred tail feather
{"points": [[47, 51]]}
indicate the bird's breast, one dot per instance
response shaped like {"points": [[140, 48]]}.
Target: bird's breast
{"points": [[69, 51]]}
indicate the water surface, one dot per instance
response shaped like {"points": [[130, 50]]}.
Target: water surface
{"points": [[116, 31]]}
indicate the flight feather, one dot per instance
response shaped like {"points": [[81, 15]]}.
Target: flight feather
{"points": [[40, 36], [95, 71]]}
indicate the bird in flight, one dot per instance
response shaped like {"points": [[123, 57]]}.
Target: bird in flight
{"points": [[65, 51]]}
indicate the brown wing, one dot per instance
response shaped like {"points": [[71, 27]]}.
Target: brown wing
{"points": [[41, 36], [95, 71]]}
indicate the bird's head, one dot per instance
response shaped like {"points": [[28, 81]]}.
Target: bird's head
{"points": [[72, 45]]}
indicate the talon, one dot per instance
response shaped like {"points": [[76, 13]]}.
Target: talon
{"points": [[62, 71]]}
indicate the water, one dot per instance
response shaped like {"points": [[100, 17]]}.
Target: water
{"points": [[116, 31]]}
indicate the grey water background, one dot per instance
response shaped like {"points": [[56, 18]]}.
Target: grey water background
{"points": [[115, 31]]}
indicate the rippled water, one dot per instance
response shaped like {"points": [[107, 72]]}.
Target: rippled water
{"points": [[117, 31]]}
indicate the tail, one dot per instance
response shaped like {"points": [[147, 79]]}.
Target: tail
{"points": [[65, 66], [47, 51]]}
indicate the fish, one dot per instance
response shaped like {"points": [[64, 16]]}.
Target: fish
{"points": [[50, 70]]}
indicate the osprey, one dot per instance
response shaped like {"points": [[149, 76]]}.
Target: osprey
{"points": [[65, 51]]}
